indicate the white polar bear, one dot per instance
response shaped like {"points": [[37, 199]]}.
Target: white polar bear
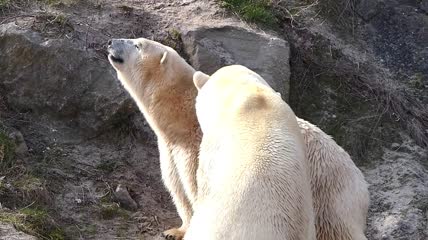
{"points": [[161, 84], [253, 178], [340, 193]]}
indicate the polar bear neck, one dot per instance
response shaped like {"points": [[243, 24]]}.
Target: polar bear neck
{"points": [[168, 108]]}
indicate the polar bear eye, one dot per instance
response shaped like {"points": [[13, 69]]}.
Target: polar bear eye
{"points": [[137, 47]]}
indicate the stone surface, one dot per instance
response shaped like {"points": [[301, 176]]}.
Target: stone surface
{"points": [[367, 9], [121, 196], [8, 232], [424, 5], [51, 77], [210, 48], [21, 149], [399, 194]]}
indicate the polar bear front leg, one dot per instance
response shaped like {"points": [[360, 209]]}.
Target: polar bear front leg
{"points": [[172, 182]]}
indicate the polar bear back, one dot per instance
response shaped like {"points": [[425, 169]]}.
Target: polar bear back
{"points": [[253, 179]]}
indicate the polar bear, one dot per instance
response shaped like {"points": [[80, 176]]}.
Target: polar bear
{"points": [[253, 178], [340, 193], [161, 84]]}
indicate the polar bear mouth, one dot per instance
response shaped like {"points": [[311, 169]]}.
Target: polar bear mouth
{"points": [[115, 59]]}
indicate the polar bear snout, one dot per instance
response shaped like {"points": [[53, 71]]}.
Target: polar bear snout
{"points": [[119, 50], [115, 49]]}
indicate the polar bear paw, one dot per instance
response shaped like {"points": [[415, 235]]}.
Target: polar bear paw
{"points": [[173, 234]]}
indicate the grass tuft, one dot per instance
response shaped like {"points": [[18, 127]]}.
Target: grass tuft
{"points": [[112, 210], [256, 11], [7, 150], [4, 3], [34, 221]]}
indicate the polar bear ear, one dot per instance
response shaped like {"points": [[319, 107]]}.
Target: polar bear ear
{"points": [[199, 79], [163, 59]]}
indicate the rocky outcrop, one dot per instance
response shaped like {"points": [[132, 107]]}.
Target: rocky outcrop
{"points": [[53, 77], [210, 48], [358, 73], [122, 196], [334, 84]]}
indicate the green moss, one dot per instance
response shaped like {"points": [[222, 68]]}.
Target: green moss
{"points": [[32, 189], [172, 39], [4, 3], [112, 210], [7, 150], [60, 19], [126, 9], [34, 221], [29, 183], [57, 234], [91, 229], [7, 217], [50, 2], [257, 11], [416, 81], [175, 34]]}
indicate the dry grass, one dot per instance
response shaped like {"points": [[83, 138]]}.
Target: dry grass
{"points": [[34, 221], [7, 149], [256, 11], [10, 5], [395, 102], [410, 112], [392, 100], [1, 153], [341, 13]]}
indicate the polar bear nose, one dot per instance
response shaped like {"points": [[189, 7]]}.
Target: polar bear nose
{"points": [[109, 43]]}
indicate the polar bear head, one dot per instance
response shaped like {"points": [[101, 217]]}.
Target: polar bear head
{"points": [[144, 66]]}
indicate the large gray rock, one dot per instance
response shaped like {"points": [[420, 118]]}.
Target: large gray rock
{"points": [[52, 77], [367, 9], [424, 5], [122, 196], [21, 149], [8, 232], [210, 48]]}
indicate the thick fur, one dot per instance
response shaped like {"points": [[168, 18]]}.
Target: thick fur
{"points": [[160, 82], [253, 174], [339, 191]]}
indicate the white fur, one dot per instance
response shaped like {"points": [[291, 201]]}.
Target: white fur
{"points": [[253, 178], [160, 82], [340, 193]]}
